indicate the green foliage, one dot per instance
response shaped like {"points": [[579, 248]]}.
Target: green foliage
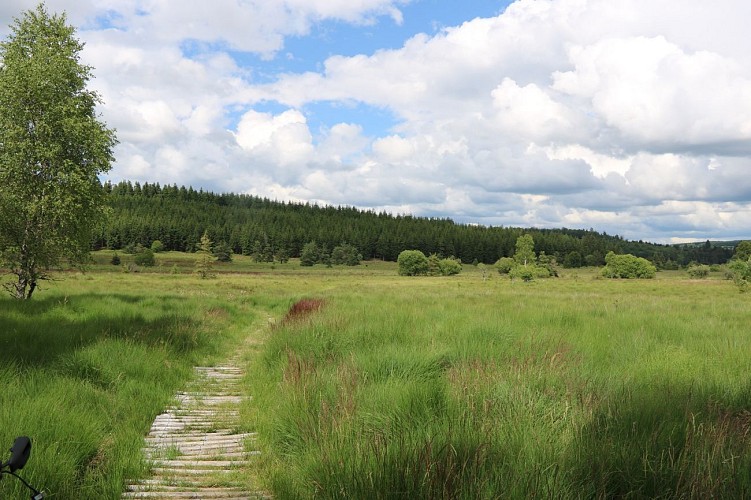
{"points": [[346, 255], [529, 272], [698, 271], [573, 259], [205, 258], [157, 246], [434, 265], [742, 251], [412, 263], [740, 272], [145, 258], [627, 266], [525, 266], [310, 254], [525, 250], [133, 248], [52, 149], [342, 255], [115, 261], [222, 252], [449, 267], [548, 263], [282, 255], [177, 216], [505, 265]]}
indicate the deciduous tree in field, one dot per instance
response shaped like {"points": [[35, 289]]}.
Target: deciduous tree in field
{"points": [[52, 149], [525, 250]]}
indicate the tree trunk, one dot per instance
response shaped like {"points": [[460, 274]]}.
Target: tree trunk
{"points": [[20, 288]]}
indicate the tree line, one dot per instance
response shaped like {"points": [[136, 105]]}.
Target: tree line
{"points": [[179, 216]]}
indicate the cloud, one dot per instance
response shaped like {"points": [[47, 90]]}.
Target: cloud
{"points": [[631, 116], [654, 94]]}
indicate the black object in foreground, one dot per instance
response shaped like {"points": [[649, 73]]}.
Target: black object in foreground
{"points": [[19, 455]]}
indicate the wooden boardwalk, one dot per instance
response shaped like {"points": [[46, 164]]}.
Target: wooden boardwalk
{"points": [[193, 446]]}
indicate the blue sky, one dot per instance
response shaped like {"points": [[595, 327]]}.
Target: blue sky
{"points": [[337, 38], [627, 116]]}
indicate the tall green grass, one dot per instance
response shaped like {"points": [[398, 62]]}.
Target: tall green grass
{"points": [[459, 388], [87, 365]]}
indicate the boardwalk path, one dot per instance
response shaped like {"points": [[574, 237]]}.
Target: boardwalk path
{"points": [[194, 447]]}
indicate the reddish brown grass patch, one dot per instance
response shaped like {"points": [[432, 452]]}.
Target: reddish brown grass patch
{"points": [[302, 309]]}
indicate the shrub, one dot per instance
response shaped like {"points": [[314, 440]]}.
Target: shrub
{"points": [[449, 267], [529, 272], [115, 259], [627, 266], [157, 246], [740, 272], [524, 273], [505, 265], [412, 263], [698, 271], [144, 258]]}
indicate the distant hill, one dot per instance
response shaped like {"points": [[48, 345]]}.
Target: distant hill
{"points": [[178, 216], [729, 245]]}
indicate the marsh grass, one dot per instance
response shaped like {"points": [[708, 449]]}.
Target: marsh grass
{"points": [[89, 363], [462, 388], [391, 387]]}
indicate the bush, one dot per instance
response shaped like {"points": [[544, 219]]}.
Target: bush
{"points": [[524, 273], [144, 258], [449, 267], [698, 271], [627, 266], [505, 265], [115, 259], [157, 246], [529, 272], [412, 263], [740, 272]]}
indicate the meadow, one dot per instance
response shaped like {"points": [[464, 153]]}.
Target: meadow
{"points": [[395, 387]]}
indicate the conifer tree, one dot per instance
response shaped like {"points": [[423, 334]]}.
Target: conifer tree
{"points": [[205, 259]]}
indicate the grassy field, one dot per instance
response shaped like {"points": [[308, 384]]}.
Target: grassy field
{"points": [[398, 387]]}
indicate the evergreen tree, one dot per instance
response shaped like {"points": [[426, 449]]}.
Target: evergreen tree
{"points": [[205, 259], [310, 254], [222, 252]]}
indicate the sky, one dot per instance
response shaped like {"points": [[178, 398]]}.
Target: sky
{"points": [[631, 117]]}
